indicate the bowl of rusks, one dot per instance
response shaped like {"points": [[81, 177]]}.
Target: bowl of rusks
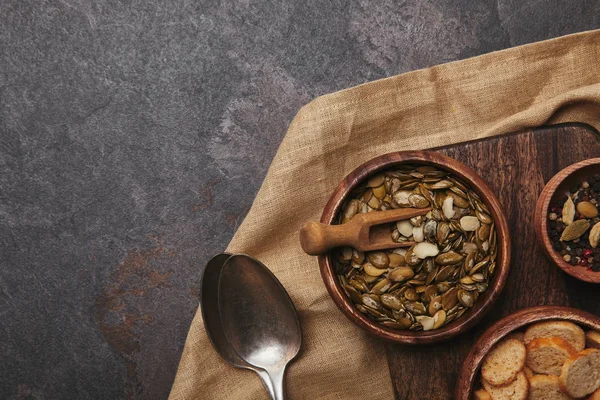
{"points": [[541, 353]]}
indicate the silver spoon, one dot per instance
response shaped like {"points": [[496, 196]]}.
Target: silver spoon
{"points": [[212, 320], [258, 318]]}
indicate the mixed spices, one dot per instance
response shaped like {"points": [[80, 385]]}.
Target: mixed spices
{"points": [[574, 224], [441, 276]]}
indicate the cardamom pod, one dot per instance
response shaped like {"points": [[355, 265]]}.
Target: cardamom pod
{"points": [[568, 212], [595, 235], [575, 230]]}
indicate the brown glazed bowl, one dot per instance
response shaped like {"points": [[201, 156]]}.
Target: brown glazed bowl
{"points": [[554, 190], [469, 373], [485, 301]]}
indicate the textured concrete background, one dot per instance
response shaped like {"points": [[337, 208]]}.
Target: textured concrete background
{"points": [[134, 136]]}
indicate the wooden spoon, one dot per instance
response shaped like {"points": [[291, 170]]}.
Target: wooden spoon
{"points": [[364, 232]]}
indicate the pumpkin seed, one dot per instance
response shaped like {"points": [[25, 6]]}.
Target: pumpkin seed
{"points": [[370, 300], [443, 230], [415, 307], [379, 192], [401, 198], [438, 319], [411, 294], [483, 217], [358, 284], [396, 260], [401, 274], [469, 223], [391, 301], [466, 298], [379, 259], [448, 207], [450, 299], [426, 322], [358, 256], [405, 228], [376, 181], [372, 270], [429, 293], [353, 293], [417, 233], [457, 200], [434, 305], [382, 286], [402, 324], [424, 250], [431, 275], [448, 258], [417, 201]]}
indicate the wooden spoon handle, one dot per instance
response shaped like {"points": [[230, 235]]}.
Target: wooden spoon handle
{"points": [[317, 238]]}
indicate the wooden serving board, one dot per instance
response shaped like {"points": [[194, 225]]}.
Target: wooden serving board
{"points": [[516, 167]]}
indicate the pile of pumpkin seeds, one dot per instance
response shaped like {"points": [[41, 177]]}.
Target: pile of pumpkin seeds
{"points": [[440, 277]]}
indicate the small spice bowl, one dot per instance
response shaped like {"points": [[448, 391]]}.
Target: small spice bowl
{"points": [[555, 191], [470, 370], [503, 247]]}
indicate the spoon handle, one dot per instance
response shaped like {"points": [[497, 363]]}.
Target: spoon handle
{"points": [[266, 379], [276, 377]]}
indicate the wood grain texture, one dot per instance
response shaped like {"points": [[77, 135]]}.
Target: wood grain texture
{"points": [[485, 301], [555, 190], [516, 167]]}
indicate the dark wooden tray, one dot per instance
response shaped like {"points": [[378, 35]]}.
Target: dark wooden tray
{"points": [[516, 167]]}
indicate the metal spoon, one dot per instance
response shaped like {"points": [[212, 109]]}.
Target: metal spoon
{"points": [[258, 318], [212, 320]]}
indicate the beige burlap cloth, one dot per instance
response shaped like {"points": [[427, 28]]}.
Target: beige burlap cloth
{"points": [[542, 83]]}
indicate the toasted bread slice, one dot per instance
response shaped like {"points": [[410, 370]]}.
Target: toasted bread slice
{"points": [[481, 395], [516, 390], [528, 372], [547, 355], [595, 395], [562, 329], [592, 339], [580, 374], [546, 387], [516, 335], [504, 362]]}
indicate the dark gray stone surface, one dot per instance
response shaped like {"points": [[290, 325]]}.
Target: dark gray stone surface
{"points": [[134, 136]]}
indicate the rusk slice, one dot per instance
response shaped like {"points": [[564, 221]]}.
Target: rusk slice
{"points": [[546, 387], [516, 335], [481, 395], [595, 395], [503, 362], [528, 372], [580, 374], [562, 329], [516, 390], [592, 339], [547, 355]]}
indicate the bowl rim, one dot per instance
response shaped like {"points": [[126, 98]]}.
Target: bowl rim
{"points": [[510, 323], [541, 222], [474, 181]]}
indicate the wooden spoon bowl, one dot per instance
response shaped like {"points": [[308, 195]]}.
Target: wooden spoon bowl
{"points": [[555, 190], [469, 373], [485, 301]]}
